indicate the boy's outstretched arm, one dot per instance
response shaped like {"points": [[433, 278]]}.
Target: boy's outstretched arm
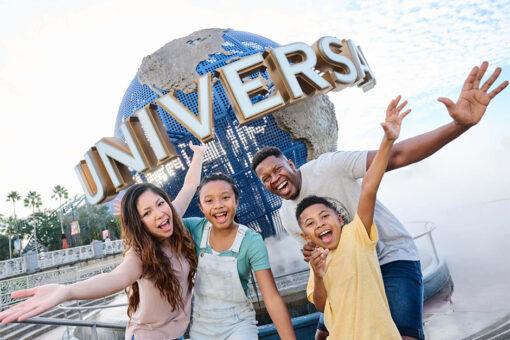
{"points": [[375, 173], [466, 112], [192, 179]]}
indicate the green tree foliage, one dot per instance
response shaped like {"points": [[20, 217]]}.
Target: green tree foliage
{"points": [[60, 192], [13, 197], [33, 200], [113, 225], [48, 229], [92, 220], [4, 239], [4, 247]]}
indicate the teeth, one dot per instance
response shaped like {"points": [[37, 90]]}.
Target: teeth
{"points": [[324, 232], [282, 185]]}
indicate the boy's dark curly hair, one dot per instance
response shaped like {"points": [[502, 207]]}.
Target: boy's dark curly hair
{"points": [[311, 200]]}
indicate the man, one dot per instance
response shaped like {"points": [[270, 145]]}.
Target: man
{"points": [[334, 175]]}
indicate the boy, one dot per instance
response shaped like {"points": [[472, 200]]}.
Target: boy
{"points": [[345, 282]]}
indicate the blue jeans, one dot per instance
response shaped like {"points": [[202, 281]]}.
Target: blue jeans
{"points": [[181, 338], [404, 291]]}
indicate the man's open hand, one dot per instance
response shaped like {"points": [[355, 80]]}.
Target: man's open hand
{"points": [[473, 99]]}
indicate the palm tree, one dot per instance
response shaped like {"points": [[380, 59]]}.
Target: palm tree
{"points": [[3, 228], [58, 192], [33, 199], [13, 196]]}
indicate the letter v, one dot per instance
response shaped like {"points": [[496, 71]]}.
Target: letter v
{"points": [[201, 127]]}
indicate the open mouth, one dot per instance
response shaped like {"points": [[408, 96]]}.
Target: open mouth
{"points": [[283, 188], [165, 226], [326, 236], [220, 217]]}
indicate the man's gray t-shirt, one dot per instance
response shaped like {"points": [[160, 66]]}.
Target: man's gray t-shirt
{"points": [[334, 175]]}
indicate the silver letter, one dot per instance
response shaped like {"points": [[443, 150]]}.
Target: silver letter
{"points": [[239, 92]]}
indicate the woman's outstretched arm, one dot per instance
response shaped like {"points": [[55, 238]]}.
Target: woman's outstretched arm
{"points": [[46, 297]]}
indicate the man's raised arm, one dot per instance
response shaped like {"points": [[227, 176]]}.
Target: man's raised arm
{"points": [[468, 111]]}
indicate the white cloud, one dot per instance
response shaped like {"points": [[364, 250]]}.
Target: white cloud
{"points": [[64, 66]]}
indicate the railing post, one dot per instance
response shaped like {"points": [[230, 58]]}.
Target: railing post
{"points": [[67, 326], [94, 330], [97, 248], [79, 310], [434, 248], [32, 262]]}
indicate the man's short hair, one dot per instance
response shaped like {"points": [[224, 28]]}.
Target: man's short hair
{"points": [[311, 200], [264, 153]]}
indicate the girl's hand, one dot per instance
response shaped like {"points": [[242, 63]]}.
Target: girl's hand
{"points": [[318, 262], [198, 149], [43, 298], [394, 119]]}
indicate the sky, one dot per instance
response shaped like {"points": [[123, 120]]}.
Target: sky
{"points": [[65, 65]]}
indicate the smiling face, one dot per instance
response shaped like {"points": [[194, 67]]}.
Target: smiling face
{"points": [[321, 225], [156, 214], [218, 203], [280, 177]]}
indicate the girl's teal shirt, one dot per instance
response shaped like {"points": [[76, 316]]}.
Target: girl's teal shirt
{"points": [[252, 254]]}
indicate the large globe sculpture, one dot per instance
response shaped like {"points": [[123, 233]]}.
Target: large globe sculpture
{"points": [[173, 68]]}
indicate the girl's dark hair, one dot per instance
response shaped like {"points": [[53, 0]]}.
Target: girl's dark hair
{"points": [[156, 265], [218, 176]]}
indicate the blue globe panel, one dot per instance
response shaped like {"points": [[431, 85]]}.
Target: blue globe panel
{"points": [[234, 145]]}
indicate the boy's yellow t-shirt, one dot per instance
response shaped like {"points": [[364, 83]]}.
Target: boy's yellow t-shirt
{"points": [[356, 306]]}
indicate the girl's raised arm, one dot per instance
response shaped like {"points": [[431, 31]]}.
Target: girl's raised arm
{"points": [[274, 304], [192, 179], [48, 296]]}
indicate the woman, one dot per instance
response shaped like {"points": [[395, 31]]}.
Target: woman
{"points": [[158, 266]]}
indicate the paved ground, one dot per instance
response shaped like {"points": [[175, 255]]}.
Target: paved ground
{"points": [[475, 240]]}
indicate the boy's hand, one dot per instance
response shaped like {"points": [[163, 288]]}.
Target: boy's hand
{"points": [[394, 119], [308, 250], [318, 262], [198, 149]]}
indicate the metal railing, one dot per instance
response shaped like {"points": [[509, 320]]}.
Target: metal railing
{"points": [[12, 267], [80, 323], [114, 247], [78, 275], [61, 276], [427, 229], [18, 266], [63, 256]]}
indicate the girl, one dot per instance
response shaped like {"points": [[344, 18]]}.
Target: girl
{"points": [[158, 266], [228, 252]]}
